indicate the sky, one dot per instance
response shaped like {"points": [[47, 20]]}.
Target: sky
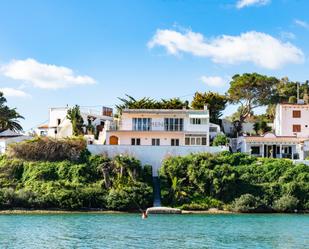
{"points": [[54, 53]]}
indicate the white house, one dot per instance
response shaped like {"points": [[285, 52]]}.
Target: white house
{"points": [[158, 127], [41, 130], [151, 135], [60, 126], [290, 139], [8, 137]]}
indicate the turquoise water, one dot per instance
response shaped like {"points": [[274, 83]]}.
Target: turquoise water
{"points": [[158, 231]]}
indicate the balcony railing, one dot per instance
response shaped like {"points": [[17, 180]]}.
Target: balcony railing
{"points": [[159, 126]]}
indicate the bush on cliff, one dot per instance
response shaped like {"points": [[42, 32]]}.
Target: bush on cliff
{"points": [[246, 203], [73, 185], [48, 149], [228, 176], [286, 203]]}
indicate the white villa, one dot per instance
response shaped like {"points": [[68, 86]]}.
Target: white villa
{"points": [[157, 127], [60, 126], [151, 135], [290, 139]]}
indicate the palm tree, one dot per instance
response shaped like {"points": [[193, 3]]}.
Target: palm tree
{"points": [[8, 117], [148, 103], [176, 188]]}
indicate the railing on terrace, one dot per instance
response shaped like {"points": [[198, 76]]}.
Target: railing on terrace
{"points": [[118, 125]]}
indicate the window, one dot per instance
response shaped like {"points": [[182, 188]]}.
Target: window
{"points": [[198, 121], [296, 114], [135, 141], [155, 142], [296, 128], [212, 129], [173, 124], [141, 124], [175, 142], [204, 141], [192, 140], [255, 150], [187, 141], [195, 140]]}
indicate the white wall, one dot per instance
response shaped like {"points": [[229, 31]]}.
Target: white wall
{"points": [[157, 121], [152, 155], [5, 142], [146, 137], [284, 120]]}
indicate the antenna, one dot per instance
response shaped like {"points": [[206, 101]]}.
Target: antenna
{"points": [[297, 92]]}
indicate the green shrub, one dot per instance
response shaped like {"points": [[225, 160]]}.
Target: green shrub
{"points": [[74, 185], [245, 203], [220, 140], [130, 198], [202, 204], [227, 176], [286, 203]]}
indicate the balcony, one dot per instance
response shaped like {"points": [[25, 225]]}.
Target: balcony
{"points": [[153, 126]]}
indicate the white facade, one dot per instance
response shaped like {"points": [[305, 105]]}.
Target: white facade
{"points": [[292, 120], [291, 138], [152, 155], [274, 146], [41, 131], [60, 126], [160, 127]]}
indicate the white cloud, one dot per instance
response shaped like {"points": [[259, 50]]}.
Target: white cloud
{"points": [[259, 48], [246, 3], [11, 92], [214, 81], [287, 35], [45, 76], [301, 23]]}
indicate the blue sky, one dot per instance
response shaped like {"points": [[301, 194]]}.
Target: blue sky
{"points": [[54, 53]]}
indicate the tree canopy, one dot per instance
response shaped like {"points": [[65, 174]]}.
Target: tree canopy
{"points": [[216, 104], [9, 117], [130, 102], [251, 90], [76, 119]]}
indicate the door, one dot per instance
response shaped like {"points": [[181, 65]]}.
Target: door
{"points": [[268, 151], [113, 140]]}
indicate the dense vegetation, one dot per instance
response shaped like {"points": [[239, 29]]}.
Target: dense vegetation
{"points": [[235, 181], [89, 182], [148, 103], [49, 177]]}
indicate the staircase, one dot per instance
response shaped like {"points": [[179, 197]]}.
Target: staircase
{"points": [[156, 192]]}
